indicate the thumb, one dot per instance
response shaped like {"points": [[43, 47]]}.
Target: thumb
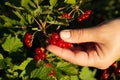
{"points": [[80, 35]]}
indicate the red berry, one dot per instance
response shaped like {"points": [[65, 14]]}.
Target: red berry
{"points": [[38, 51], [54, 42], [66, 15], [86, 16], [49, 65], [51, 73], [88, 12], [117, 71], [68, 45], [28, 36], [36, 57], [81, 18], [55, 36], [114, 64], [105, 75], [28, 42], [60, 43], [43, 56]]}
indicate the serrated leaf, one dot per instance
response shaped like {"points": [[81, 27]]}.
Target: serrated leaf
{"points": [[37, 11], [67, 68], [8, 21], [23, 65], [22, 18], [87, 74], [53, 2], [13, 6], [58, 74], [12, 44], [70, 1], [41, 73]]}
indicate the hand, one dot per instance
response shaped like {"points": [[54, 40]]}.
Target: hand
{"points": [[106, 39]]}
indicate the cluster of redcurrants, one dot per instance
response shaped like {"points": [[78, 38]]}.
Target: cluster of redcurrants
{"points": [[56, 40], [28, 39], [66, 15], [52, 72], [115, 70], [81, 18], [39, 54], [84, 16]]}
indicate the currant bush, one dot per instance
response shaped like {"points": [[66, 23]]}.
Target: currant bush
{"points": [[27, 27]]}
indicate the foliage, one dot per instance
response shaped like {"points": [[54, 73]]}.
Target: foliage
{"points": [[41, 18]]}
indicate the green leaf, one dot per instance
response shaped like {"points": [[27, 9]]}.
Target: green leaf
{"points": [[8, 21], [58, 74], [65, 78], [70, 1], [21, 17], [74, 77], [23, 65], [13, 6], [12, 44], [25, 3], [8, 61], [87, 74], [53, 2], [1, 56], [37, 11], [2, 64], [67, 68], [41, 73]]}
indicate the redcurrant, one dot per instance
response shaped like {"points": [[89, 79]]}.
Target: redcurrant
{"points": [[66, 15], [37, 58], [55, 36], [28, 36], [51, 73], [88, 12], [38, 51], [117, 71]]}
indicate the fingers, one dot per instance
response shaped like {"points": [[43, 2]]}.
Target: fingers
{"points": [[81, 58], [80, 35]]}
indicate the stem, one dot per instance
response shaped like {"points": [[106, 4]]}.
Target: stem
{"points": [[81, 11], [38, 23]]}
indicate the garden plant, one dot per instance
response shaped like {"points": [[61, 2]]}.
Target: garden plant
{"points": [[27, 27]]}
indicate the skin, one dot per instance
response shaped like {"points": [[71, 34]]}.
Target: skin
{"points": [[106, 41]]}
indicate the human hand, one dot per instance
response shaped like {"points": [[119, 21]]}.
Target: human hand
{"points": [[105, 39]]}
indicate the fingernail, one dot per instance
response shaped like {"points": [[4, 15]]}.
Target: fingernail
{"points": [[65, 34]]}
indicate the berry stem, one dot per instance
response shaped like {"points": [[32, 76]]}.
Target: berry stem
{"points": [[81, 11]]}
